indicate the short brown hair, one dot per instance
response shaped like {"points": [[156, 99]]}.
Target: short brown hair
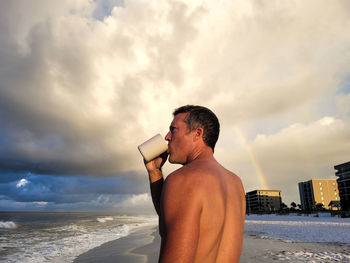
{"points": [[201, 117]]}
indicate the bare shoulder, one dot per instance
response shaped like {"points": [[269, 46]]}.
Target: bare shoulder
{"points": [[184, 187], [202, 175], [180, 197], [237, 180], [182, 178]]}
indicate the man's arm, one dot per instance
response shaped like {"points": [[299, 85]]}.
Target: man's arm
{"points": [[154, 169], [156, 186], [181, 207]]}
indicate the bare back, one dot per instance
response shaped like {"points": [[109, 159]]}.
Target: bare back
{"points": [[221, 221]]}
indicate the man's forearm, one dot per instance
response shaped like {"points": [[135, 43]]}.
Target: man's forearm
{"points": [[156, 185]]}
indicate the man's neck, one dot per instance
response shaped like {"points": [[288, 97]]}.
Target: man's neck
{"points": [[200, 154]]}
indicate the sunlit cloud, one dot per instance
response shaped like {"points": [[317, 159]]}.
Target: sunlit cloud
{"points": [[22, 183], [41, 203], [141, 202]]}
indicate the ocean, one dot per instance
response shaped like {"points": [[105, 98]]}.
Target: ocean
{"points": [[31, 237], [60, 237]]}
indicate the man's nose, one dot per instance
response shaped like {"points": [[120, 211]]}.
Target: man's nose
{"points": [[168, 136]]}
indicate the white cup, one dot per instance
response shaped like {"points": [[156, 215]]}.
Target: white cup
{"points": [[153, 147]]}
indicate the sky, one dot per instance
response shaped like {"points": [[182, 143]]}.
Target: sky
{"points": [[83, 83]]}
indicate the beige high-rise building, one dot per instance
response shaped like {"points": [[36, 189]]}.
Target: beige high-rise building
{"points": [[318, 191], [263, 200]]}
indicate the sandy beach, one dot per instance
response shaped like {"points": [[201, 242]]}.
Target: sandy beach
{"points": [[143, 245], [257, 249]]}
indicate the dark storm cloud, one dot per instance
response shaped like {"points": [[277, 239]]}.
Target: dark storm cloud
{"points": [[63, 189], [10, 177], [40, 131]]}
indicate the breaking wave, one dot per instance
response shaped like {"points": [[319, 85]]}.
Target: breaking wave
{"points": [[7, 224], [104, 219]]}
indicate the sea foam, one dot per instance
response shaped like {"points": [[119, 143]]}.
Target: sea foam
{"points": [[7, 224], [63, 237], [63, 249], [104, 219]]}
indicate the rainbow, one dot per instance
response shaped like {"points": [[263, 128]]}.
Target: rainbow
{"points": [[253, 159]]}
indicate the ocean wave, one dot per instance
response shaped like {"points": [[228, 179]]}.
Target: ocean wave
{"points": [[63, 249], [67, 228], [7, 224], [63, 241], [104, 219]]}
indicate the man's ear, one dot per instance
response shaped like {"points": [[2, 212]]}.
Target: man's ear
{"points": [[198, 133]]}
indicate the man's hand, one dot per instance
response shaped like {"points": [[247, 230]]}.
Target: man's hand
{"points": [[154, 167]]}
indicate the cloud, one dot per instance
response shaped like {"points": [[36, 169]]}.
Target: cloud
{"points": [[56, 190], [297, 153], [22, 183], [113, 203], [78, 94], [41, 203], [141, 202], [84, 82], [322, 141]]}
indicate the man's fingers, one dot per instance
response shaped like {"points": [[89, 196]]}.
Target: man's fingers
{"points": [[157, 162]]}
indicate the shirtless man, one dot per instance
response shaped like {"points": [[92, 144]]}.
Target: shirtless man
{"points": [[201, 206]]}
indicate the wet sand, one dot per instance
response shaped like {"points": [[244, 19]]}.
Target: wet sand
{"points": [[257, 249], [143, 245]]}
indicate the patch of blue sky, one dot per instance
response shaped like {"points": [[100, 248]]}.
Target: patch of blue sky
{"points": [[104, 8], [345, 86]]}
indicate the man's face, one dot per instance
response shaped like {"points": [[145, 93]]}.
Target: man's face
{"points": [[179, 140]]}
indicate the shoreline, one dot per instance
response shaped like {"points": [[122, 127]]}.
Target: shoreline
{"points": [[260, 249], [142, 246]]}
